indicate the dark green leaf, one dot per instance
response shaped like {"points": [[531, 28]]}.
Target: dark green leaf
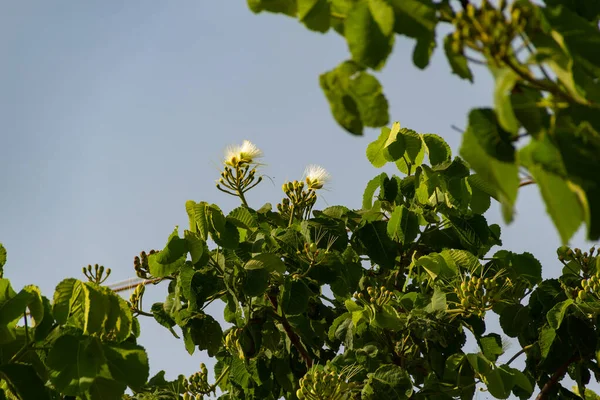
{"points": [[403, 225], [162, 317], [414, 154], [287, 7], [379, 247], [24, 382], [388, 382], [256, 282], [295, 297], [315, 14], [439, 151], [128, 363], [74, 363]]}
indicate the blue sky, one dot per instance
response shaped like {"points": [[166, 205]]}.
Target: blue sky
{"points": [[114, 113]]}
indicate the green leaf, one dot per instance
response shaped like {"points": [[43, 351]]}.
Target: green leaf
{"points": [[74, 363], [491, 346], [196, 245], [369, 192], [62, 299], [222, 231], [487, 148], [513, 319], [379, 247], [423, 51], [368, 43], [458, 62], [388, 382], [435, 265], [480, 200], [163, 318], [547, 336], [268, 261], [96, 308], [438, 301], [128, 363], [201, 218], [388, 318], [243, 218], [521, 380], [499, 383], [579, 36], [315, 14], [104, 388], [415, 18], [355, 97], [561, 196], [171, 258], [206, 333], [383, 14], [23, 381], [403, 225], [389, 146], [287, 7], [524, 266], [506, 79], [557, 313], [437, 148]]}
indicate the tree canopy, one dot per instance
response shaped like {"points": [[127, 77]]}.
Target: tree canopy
{"points": [[376, 302], [545, 59]]}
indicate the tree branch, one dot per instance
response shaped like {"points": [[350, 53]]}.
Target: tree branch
{"points": [[294, 338], [556, 377]]}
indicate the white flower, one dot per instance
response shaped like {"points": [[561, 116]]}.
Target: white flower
{"points": [[246, 153], [316, 176]]}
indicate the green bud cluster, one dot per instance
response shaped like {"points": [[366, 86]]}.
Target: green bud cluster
{"points": [[590, 287], [378, 297], [96, 274], [299, 202], [196, 385], [588, 261], [477, 294], [135, 299], [140, 264], [488, 29], [239, 179], [318, 384]]}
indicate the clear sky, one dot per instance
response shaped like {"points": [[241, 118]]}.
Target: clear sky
{"points": [[114, 113]]}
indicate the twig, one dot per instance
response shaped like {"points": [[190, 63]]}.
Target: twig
{"points": [[556, 377], [523, 350], [527, 182], [290, 333]]}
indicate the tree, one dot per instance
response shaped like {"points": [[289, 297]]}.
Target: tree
{"points": [[337, 303], [546, 63]]}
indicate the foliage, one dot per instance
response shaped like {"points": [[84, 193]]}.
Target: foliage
{"points": [[545, 59], [374, 303]]}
